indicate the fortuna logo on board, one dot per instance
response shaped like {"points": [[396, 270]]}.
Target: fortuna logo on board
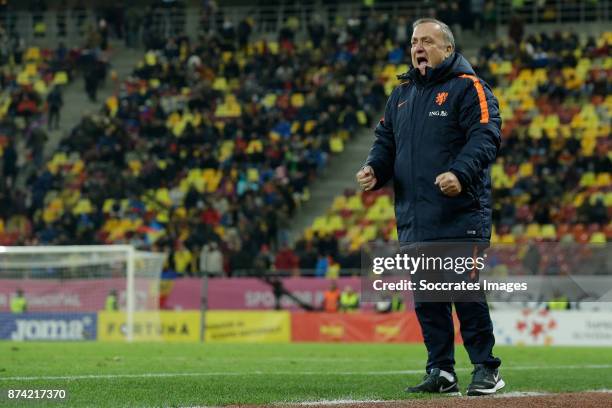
{"points": [[51, 329]]}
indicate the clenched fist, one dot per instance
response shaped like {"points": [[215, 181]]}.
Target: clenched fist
{"points": [[448, 183], [366, 178]]}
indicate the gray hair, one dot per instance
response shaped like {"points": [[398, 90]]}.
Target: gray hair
{"points": [[446, 31]]}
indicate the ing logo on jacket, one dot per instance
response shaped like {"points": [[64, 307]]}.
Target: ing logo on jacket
{"points": [[441, 98]]}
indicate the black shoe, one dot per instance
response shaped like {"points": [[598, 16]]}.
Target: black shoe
{"points": [[435, 383], [485, 381]]}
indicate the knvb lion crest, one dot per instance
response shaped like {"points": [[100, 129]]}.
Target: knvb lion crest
{"points": [[441, 98]]}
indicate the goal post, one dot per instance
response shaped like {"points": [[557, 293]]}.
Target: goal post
{"points": [[66, 290]]}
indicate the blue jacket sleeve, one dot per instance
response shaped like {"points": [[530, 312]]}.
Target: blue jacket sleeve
{"points": [[382, 153], [479, 119]]}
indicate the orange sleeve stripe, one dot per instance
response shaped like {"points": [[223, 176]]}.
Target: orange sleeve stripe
{"points": [[484, 109]]}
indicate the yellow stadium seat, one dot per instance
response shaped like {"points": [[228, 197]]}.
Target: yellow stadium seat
{"points": [[269, 100], [220, 84], [150, 58], [23, 78], [154, 83], [319, 224], [526, 169], [295, 127], [339, 203], [362, 119], [336, 145], [273, 47], [548, 231], [84, 206], [162, 195], [40, 28], [309, 126], [380, 213], [369, 233], [32, 54], [254, 146], [297, 100], [253, 175], [108, 205], [603, 180], [505, 68], [587, 179], [384, 200], [533, 231], [335, 223], [353, 231], [354, 203]]}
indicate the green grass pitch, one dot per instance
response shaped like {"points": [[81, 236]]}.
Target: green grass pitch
{"points": [[148, 374]]}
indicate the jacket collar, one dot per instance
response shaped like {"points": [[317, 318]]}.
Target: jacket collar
{"points": [[434, 75]]}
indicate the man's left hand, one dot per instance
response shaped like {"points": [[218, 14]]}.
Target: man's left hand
{"points": [[449, 184]]}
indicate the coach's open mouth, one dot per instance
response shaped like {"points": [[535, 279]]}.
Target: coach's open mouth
{"points": [[421, 62]]}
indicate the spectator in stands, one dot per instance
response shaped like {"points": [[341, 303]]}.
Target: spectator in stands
{"points": [[37, 141], [287, 261], [133, 21], [316, 31], [331, 299], [322, 265], [9, 163], [245, 27], [349, 300], [183, 259], [55, 102], [211, 259], [169, 121], [19, 304]]}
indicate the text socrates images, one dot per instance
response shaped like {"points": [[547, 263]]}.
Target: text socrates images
{"points": [[468, 271]]}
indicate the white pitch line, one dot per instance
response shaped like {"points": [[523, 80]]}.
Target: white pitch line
{"points": [[512, 394], [253, 373], [520, 394], [338, 402]]}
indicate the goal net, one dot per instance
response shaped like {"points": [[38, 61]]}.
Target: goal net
{"points": [[106, 292]]}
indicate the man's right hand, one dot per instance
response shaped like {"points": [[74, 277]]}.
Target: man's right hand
{"points": [[366, 178]]}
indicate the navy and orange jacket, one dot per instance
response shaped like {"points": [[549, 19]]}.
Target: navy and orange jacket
{"points": [[447, 120]]}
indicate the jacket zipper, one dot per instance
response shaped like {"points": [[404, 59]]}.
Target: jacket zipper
{"points": [[414, 181]]}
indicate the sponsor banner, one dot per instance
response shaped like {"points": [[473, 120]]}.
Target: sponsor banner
{"points": [[543, 327], [75, 295], [251, 293], [182, 293], [151, 326], [48, 326], [358, 327], [247, 327], [88, 295]]}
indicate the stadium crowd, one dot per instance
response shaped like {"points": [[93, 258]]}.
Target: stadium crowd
{"points": [[209, 147], [210, 141]]}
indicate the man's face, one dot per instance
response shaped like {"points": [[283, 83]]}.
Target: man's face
{"points": [[429, 48]]}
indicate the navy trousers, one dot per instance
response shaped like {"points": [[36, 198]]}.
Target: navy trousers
{"points": [[435, 314], [476, 327]]}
